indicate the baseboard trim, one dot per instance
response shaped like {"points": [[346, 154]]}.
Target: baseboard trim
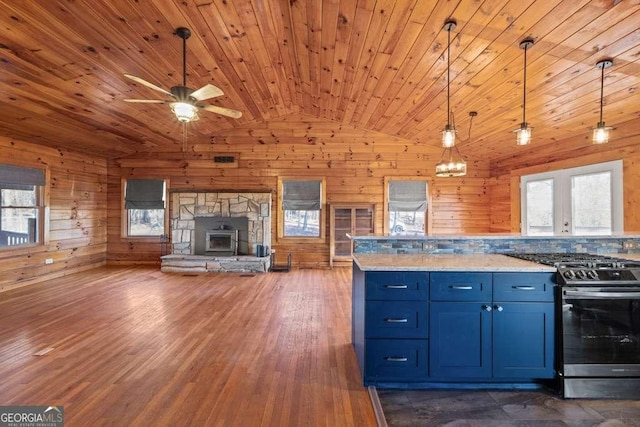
{"points": [[377, 407]]}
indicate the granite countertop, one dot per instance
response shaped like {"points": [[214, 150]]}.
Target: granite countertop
{"points": [[635, 257], [447, 262]]}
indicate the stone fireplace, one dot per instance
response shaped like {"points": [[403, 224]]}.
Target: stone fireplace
{"points": [[195, 213]]}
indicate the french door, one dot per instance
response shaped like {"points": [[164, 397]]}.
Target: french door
{"points": [[579, 201]]}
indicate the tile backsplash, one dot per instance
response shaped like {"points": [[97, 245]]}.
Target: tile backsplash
{"points": [[496, 245]]}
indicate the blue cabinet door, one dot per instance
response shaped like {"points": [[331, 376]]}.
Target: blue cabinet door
{"points": [[523, 340], [460, 340]]}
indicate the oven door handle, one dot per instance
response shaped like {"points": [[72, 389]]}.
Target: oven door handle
{"points": [[635, 293]]}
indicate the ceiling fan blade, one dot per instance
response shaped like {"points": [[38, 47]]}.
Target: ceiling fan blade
{"points": [[147, 84], [207, 91], [146, 101], [222, 110]]}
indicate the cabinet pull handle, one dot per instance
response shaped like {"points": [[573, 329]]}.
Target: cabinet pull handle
{"points": [[524, 288], [392, 320], [461, 288], [395, 359], [486, 308], [396, 286]]}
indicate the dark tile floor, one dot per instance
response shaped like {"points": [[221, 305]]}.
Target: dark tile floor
{"points": [[465, 408]]}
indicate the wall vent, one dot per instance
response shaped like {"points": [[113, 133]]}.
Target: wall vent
{"points": [[224, 159]]}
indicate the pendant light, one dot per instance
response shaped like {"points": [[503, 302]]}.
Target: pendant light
{"points": [[451, 162], [601, 132], [449, 132], [523, 133]]}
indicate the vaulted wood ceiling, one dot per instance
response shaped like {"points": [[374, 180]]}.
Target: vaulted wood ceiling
{"points": [[374, 64]]}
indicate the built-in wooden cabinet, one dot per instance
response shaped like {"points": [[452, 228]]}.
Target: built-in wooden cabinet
{"points": [[352, 218]]}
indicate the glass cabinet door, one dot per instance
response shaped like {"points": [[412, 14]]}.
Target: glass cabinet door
{"points": [[356, 220]]}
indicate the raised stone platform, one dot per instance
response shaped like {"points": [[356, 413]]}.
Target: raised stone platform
{"points": [[209, 264]]}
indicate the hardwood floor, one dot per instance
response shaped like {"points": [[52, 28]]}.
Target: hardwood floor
{"points": [[134, 346]]}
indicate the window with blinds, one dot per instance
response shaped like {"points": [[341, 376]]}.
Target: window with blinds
{"points": [[145, 205], [406, 206], [21, 205], [302, 202]]}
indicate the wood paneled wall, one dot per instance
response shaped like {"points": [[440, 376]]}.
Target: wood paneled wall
{"points": [[353, 161], [77, 225]]}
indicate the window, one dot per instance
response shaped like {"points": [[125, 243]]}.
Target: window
{"points": [[406, 201], [145, 207], [301, 204], [21, 205], [579, 201]]}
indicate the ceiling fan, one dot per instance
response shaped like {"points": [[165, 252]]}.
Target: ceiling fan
{"points": [[184, 101]]}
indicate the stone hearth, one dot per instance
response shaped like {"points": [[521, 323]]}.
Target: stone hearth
{"points": [[187, 206]]}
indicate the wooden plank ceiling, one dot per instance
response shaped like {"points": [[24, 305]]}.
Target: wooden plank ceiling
{"points": [[374, 64]]}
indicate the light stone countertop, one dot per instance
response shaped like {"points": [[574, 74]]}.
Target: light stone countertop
{"points": [[635, 257], [447, 262]]}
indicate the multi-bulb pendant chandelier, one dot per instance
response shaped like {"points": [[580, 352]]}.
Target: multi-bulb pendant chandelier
{"points": [[523, 133], [451, 162], [601, 132]]}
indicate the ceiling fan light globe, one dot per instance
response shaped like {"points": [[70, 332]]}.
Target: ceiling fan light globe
{"points": [[184, 112]]}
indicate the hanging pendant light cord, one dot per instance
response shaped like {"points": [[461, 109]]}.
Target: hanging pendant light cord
{"points": [[448, 74], [524, 86], [601, 91]]}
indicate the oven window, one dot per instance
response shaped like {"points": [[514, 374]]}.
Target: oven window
{"points": [[601, 331]]}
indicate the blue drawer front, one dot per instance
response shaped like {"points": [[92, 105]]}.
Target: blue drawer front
{"points": [[461, 286], [397, 319], [523, 287], [391, 285], [396, 360]]}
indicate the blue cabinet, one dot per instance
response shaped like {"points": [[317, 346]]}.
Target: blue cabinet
{"points": [[413, 328], [390, 325], [505, 334]]}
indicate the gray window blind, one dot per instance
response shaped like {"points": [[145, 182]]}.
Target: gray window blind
{"points": [[407, 196], [144, 194], [20, 178], [301, 195]]}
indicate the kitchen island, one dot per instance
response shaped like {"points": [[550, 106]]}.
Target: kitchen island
{"points": [[453, 319]]}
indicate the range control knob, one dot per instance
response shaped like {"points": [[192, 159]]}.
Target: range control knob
{"points": [[582, 274], [569, 274], [592, 274]]}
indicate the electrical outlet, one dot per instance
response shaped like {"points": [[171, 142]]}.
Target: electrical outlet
{"points": [[429, 246], [48, 261], [630, 244]]}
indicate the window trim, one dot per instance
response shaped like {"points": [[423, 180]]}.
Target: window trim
{"points": [[562, 195], [124, 214], [428, 218], [43, 198], [323, 210]]}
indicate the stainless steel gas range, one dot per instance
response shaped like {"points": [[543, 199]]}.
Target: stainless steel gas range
{"points": [[598, 330]]}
